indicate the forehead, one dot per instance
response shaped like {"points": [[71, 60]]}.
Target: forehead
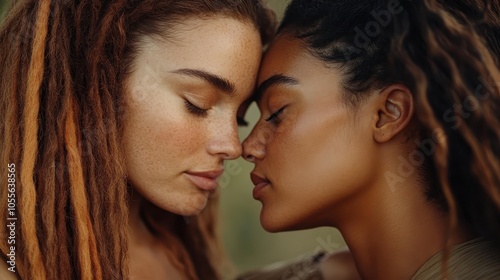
{"points": [[289, 56], [226, 47]]}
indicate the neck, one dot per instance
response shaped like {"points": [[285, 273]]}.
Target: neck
{"points": [[395, 230], [150, 256], [138, 232]]}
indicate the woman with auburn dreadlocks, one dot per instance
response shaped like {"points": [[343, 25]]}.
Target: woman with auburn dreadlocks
{"points": [[381, 118], [116, 119]]}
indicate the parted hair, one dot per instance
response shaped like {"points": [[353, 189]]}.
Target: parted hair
{"points": [[448, 54], [63, 64]]}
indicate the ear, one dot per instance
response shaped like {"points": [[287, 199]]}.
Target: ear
{"points": [[394, 112]]}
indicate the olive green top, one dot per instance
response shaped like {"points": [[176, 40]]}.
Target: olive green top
{"points": [[474, 259]]}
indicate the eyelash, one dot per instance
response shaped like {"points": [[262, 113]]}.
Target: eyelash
{"points": [[195, 110], [274, 116]]}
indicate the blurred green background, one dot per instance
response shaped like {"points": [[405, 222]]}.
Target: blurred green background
{"points": [[3, 4], [247, 244]]}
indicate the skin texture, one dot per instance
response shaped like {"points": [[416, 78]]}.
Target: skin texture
{"points": [[316, 132], [163, 138], [327, 165]]}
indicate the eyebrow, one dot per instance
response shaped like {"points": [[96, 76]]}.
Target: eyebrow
{"points": [[275, 80], [220, 83]]}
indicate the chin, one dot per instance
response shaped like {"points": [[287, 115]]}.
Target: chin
{"points": [[272, 228], [275, 223], [190, 210], [185, 206]]}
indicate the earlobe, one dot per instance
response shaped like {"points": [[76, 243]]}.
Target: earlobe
{"points": [[394, 112]]}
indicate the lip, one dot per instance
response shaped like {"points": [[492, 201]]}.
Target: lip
{"points": [[260, 183], [205, 180]]}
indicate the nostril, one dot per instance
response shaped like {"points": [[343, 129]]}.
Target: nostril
{"points": [[249, 157]]}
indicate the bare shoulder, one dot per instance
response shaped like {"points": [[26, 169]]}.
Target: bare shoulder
{"points": [[339, 266], [5, 274]]}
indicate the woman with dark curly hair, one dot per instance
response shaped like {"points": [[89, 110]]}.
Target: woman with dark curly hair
{"points": [[116, 119], [381, 118]]}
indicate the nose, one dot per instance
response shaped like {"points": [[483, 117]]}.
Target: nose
{"points": [[225, 142], [254, 146]]}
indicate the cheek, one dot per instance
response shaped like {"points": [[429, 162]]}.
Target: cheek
{"points": [[314, 167], [315, 156], [157, 137]]}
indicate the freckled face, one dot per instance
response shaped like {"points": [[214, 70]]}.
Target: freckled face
{"points": [[182, 99], [308, 143]]}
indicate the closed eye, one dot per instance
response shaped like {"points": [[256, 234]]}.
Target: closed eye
{"points": [[195, 110], [275, 115]]}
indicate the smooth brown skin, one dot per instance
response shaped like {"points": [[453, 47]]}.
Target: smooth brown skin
{"points": [[163, 139], [327, 166]]}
